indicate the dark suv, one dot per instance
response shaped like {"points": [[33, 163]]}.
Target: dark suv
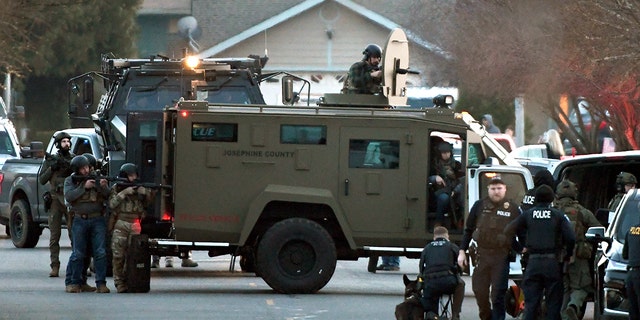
{"points": [[611, 298]]}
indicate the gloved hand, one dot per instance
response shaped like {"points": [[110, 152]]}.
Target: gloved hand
{"points": [[142, 190], [127, 191]]}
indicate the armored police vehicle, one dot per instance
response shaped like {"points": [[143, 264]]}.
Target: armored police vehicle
{"points": [[292, 189]]}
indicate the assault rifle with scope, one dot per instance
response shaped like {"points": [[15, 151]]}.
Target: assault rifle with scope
{"points": [[77, 178]]}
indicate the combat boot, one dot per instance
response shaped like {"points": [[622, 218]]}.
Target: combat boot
{"points": [[87, 288], [168, 262], [102, 288], [55, 271], [121, 289], [73, 288], [155, 262], [188, 263]]}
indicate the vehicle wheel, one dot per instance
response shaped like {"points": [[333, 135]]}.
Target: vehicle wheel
{"points": [[296, 256], [248, 262], [24, 232]]}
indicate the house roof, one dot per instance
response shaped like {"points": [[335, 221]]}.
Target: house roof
{"points": [[261, 15]]}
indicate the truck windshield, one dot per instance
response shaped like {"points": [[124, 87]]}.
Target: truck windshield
{"points": [[155, 99]]}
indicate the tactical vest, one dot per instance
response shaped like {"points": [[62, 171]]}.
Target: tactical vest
{"points": [[575, 212], [57, 177], [447, 171], [491, 222], [130, 208], [439, 257]]}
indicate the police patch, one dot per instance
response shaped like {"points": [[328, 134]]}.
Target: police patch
{"points": [[506, 205]]}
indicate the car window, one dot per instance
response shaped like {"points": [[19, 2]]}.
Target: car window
{"points": [[6, 145]]}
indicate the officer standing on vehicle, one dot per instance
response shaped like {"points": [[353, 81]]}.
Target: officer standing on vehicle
{"points": [[365, 76], [86, 198], [127, 205], [54, 170], [485, 223], [625, 181], [439, 270], [578, 282], [631, 252], [545, 232]]}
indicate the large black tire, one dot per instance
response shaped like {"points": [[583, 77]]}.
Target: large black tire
{"points": [[248, 262], [24, 232], [296, 256]]}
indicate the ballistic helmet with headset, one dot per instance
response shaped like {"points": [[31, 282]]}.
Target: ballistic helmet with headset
{"points": [[78, 162], [372, 50], [127, 169], [623, 179], [57, 138]]}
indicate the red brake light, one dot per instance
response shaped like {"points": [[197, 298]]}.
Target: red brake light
{"points": [[184, 113]]}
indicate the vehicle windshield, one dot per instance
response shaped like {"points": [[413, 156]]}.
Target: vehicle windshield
{"points": [[155, 99]]}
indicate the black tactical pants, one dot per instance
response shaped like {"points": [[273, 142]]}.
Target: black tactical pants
{"points": [[542, 276], [490, 279]]}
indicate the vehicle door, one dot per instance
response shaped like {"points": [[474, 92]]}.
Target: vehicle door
{"points": [[373, 178]]}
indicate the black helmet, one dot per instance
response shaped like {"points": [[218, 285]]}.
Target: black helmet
{"points": [[445, 147], [566, 188], [372, 50], [92, 160], [127, 169], [78, 162], [626, 178], [57, 138]]}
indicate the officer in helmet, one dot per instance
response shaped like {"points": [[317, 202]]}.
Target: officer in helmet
{"points": [[127, 203], [578, 282], [86, 198], [625, 181], [365, 76], [55, 169], [445, 182]]}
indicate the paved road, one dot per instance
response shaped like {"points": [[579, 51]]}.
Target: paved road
{"points": [[209, 291]]}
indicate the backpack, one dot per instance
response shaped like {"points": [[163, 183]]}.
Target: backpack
{"points": [[575, 212]]}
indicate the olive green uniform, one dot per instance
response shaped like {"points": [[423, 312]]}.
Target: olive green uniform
{"points": [[126, 212], [54, 171], [578, 282]]}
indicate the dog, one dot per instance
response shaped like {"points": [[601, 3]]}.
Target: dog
{"points": [[411, 307]]}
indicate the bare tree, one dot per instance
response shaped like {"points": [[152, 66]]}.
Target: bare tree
{"points": [[545, 49]]}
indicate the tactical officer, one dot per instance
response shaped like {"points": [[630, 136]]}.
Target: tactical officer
{"points": [[364, 76], [86, 199], [542, 177], [545, 232], [625, 181], [631, 251], [54, 170], [445, 180], [127, 205], [439, 270], [577, 281], [485, 223]]}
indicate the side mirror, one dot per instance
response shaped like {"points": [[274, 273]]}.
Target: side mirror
{"points": [[596, 234], [288, 96]]}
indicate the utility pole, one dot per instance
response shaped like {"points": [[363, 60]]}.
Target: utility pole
{"points": [[519, 111]]}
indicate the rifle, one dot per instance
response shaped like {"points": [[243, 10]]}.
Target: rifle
{"points": [[77, 178], [149, 185], [57, 163]]}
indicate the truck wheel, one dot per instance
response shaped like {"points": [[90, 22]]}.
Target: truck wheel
{"points": [[248, 262], [24, 232], [296, 256]]}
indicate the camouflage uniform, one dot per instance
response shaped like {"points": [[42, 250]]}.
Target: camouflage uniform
{"points": [[54, 171], [577, 281], [359, 79], [127, 209]]}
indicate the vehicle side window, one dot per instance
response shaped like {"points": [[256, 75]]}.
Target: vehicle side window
{"points": [[628, 218], [82, 146], [219, 132], [303, 134], [381, 154], [515, 185], [6, 146]]}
